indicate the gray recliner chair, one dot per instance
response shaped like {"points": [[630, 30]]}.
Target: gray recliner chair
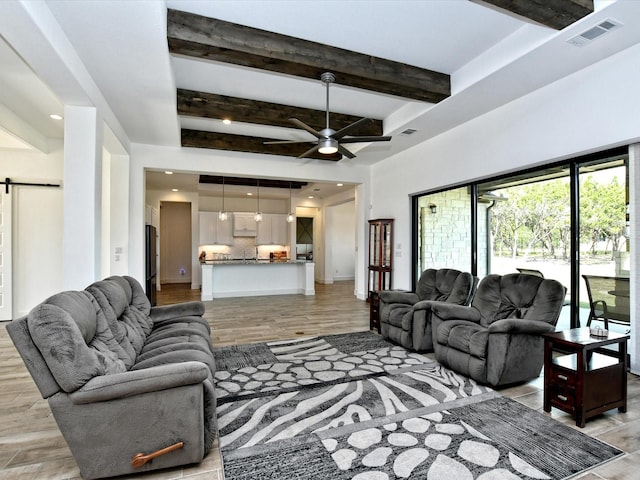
{"points": [[497, 340], [405, 317]]}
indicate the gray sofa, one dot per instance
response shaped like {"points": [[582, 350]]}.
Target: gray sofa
{"points": [[405, 317], [122, 378], [497, 340]]}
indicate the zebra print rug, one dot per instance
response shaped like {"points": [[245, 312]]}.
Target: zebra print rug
{"points": [[325, 409]]}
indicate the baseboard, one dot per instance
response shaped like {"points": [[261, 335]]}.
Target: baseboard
{"points": [[345, 278], [260, 293]]}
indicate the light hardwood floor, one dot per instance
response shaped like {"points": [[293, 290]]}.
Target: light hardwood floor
{"points": [[31, 446]]}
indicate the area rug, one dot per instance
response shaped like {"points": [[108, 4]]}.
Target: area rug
{"points": [[357, 407]]}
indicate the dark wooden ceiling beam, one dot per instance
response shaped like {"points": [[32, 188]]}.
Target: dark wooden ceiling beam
{"points": [[212, 39], [556, 14], [209, 105], [242, 143], [251, 182]]}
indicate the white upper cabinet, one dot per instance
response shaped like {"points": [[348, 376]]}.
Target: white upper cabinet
{"points": [[244, 224], [273, 230], [213, 231]]}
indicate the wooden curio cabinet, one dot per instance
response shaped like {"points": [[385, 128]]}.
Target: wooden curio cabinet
{"points": [[380, 254]]}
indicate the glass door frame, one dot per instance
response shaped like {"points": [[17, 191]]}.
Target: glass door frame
{"points": [[574, 191]]}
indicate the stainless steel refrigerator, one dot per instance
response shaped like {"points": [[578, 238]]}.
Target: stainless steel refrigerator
{"points": [[150, 263]]}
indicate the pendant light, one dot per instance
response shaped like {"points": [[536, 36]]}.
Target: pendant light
{"points": [[258, 215], [291, 216], [222, 215]]}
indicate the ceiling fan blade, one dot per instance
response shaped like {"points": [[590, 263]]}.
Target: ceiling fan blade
{"points": [[364, 139], [312, 150], [306, 127], [282, 142], [345, 131], [345, 152]]}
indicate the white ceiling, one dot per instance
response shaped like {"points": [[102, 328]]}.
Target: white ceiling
{"points": [[492, 57]]}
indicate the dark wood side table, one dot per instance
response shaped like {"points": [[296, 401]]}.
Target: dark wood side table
{"points": [[583, 378]]}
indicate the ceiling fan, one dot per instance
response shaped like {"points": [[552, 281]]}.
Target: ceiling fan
{"points": [[328, 140]]}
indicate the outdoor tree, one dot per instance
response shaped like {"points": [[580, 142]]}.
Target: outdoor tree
{"points": [[602, 213], [533, 219]]}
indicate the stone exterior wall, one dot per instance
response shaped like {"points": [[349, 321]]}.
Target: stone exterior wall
{"points": [[445, 236]]}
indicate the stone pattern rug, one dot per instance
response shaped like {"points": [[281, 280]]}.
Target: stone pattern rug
{"points": [[357, 407]]}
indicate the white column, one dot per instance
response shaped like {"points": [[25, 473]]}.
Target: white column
{"points": [[329, 225], [634, 204], [362, 241], [119, 215], [82, 198], [309, 287]]}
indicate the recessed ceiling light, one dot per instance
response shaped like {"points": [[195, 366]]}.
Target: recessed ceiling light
{"points": [[175, 190], [226, 121], [55, 116], [249, 194], [310, 196], [339, 184], [168, 172]]}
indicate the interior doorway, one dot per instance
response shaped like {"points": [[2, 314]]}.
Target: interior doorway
{"points": [[175, 242], [304, 238]]}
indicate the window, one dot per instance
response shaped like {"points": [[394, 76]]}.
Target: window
{"points": [[527, 221]]}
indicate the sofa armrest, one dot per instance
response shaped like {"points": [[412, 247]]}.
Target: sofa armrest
{"points": [[393, 296], [516, 325], [136, 382], [452, 311], [425, 305], [176, 310]]}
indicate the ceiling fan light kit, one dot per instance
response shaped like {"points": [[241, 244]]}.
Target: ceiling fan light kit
{"points": [[328, 140], [327, 146]]}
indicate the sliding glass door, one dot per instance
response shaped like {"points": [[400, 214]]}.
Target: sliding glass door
{"points": [[604, 265], [528, 225], [564, 221]]}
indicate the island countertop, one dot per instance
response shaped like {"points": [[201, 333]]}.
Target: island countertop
{"points": [[251, 277], [253, 261]]}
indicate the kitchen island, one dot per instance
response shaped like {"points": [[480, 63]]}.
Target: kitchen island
{"points": [[249, 278]]}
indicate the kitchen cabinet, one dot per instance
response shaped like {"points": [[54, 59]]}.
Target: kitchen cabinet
{"points": [[244, 224], [272, 230], [214, 231]]}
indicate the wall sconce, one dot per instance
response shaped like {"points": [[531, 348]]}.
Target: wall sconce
{"points": [[433, 207]]}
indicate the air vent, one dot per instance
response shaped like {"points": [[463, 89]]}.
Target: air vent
{"points": [[408, 131], [594, 32]]}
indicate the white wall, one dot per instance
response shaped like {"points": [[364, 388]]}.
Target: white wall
{"points": [[592, 110], [222, 163], [342, 238], [37, 225], [634, 202], [118, 246]]}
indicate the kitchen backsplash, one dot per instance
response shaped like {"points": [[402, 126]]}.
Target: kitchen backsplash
{"points": [[243, 247]]}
